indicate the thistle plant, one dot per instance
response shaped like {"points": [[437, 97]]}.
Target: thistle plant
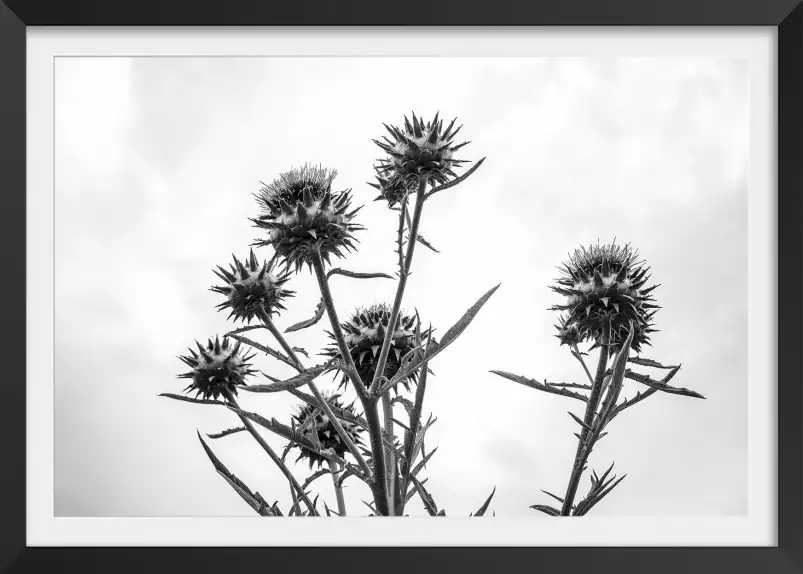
{"points": [[608, 306], [380, 353]]}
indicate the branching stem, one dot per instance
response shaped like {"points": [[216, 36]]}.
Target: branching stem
{"points": [[368, 403]]}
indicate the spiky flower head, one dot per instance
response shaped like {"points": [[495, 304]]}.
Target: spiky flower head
{"points": [[309, 417], [391, 188], [365, 331], [217, 369], [420, 150], [605, 284], [250, 287], [301, 214]]}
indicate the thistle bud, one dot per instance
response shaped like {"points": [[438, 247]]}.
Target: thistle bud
{"points": [[217, 369], [301, 214], [605, 286], [250, 286], [420, 150], [365, 332], [312, 419]]}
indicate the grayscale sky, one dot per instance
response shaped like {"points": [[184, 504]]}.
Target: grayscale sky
{"points": [[156, 163]]}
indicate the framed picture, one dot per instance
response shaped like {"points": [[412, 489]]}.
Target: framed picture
{"points": [[463, 286]]}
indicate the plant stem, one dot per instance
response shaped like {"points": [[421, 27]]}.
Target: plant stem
{"points": [[344, 436], [368, 403], [391, 452], [274, 457], [415, 422], [583, 449], [394, 314], [341, 503]]}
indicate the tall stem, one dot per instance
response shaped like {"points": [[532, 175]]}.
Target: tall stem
{"points": [[368, 403], [391, 452], [274, 457], [584, 449], [408, 260], [341, 503]]}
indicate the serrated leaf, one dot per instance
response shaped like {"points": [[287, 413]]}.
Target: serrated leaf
{"points": [[254, 500], [435, 347], [484, 507], [265, 349], [539, 386], [426, 498], [226, 432], [546, 509], [299, 380], [191, 400], [663, 387], [319, 310], [426, 243], [455, 181], [650, 363]]}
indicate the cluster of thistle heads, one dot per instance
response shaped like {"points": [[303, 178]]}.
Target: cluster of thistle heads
{"points": [[304, 217]]}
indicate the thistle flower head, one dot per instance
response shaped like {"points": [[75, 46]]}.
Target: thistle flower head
{"points": [[421, 149], [391, 188], [217, 369], [250, 286], [365, 331], [605, 285], [301, 213], [311, 419]]}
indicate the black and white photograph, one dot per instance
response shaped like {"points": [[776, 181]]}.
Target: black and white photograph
{"points": [[401, 287]]}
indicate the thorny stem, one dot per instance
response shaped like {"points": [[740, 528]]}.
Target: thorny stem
{"points": [[272, 454], [391, 452], [321, 401], [583, 449], [394, 314], [341, 503], [368, 403]]}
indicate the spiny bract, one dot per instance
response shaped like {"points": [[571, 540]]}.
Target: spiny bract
{"points": [[365, 332], [420, 150], [217, 369], [250, 286], [302, 214], [325, 431], [605, 283]]}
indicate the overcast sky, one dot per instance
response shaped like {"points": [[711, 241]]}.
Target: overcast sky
{"points": [[156, 163]]}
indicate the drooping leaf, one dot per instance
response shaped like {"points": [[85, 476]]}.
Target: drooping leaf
{"points": [[357, 275], [319, 310]]}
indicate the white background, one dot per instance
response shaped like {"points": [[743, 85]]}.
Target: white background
{"points": [[156, 159]]}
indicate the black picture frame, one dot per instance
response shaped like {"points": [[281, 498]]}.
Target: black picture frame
{"points": [[786, 15]]}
